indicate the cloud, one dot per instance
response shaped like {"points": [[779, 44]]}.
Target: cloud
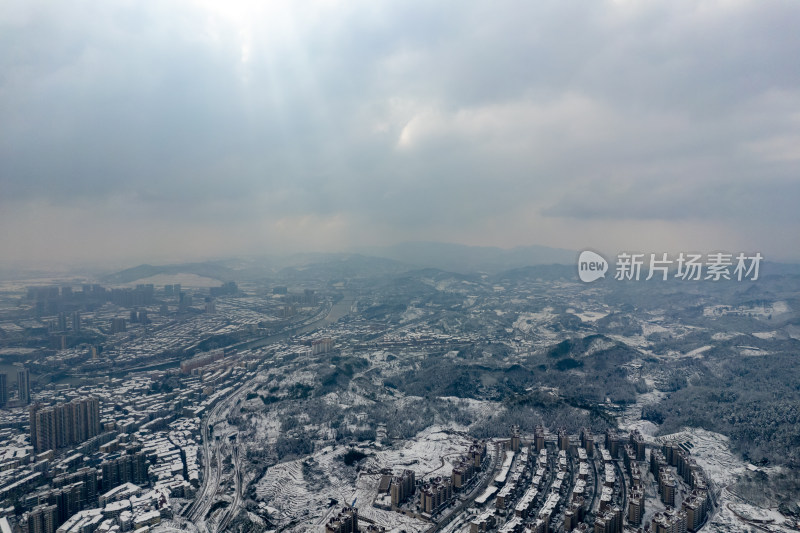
{"points": [[391, 121]]}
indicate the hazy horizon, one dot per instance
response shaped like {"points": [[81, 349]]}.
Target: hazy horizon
{"points": [[187, 131], [293, 258]]}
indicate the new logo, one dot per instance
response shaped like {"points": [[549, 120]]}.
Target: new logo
{"points": [[591, 266]]}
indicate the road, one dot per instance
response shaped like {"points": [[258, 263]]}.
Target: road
{"points": [[212, 470], [594, 506], [211, 476], [621, 472], [335, 312], [210, 482], [213, 473], [233, 509]]}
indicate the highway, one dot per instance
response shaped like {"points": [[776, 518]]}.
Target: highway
{"points": [[233, 509], [220, 447], [211, 475]]}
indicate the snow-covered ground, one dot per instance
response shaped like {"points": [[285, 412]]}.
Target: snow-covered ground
{"points": [[590, 316], [712, 452], [479, 409], [531, 322], [632, 416], [765, 335], [698, 352], [267, 426], [293, 496], [649, 328], [412, 313], [634, 341], [722, 467], [752, 351], [428, 454], [345, 399], [597, 345], [724, 336], [736, 514], [762, 311], [301, 495]]}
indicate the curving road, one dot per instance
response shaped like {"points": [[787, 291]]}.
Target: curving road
{"points": [[233, 509], [207, 495], [213, 470]]}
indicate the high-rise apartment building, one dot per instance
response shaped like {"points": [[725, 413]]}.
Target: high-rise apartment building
{"points": [[24, 385], [64, 424], [42, 519], [3, 389], [344, 522], [130, 468]]}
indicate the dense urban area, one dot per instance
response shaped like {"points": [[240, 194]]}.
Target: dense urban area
{"points": [[349, 393]]}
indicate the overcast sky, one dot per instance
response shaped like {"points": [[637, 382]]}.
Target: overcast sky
{"points": [[168, 130]]}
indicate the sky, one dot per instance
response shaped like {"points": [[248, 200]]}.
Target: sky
{"points": [[174, 130]]}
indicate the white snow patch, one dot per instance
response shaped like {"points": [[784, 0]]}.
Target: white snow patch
{"points": [[526, 322], [428, 454], [697, 352], [758, 311], [590, 316], [765, 335], [752, 351], [649, 328], [725, 336], [713, 454]]}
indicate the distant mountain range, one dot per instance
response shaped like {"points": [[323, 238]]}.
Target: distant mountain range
{"points": [[531, 261], [212, 270], [369, 261], [466, 259]]}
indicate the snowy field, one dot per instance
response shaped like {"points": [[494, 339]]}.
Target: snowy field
{"points": [[300, 496], [588, 316], [429, 454], [631, 417]]}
